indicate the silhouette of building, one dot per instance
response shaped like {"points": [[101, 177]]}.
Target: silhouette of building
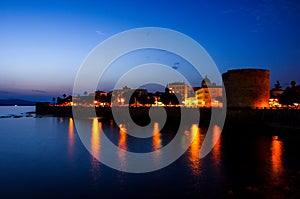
{"points": [[247, 88]]}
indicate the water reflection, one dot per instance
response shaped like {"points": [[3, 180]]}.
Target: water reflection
{"points": [[156, 139], [276, 158], [194, 150], [122, 144], [95, 138], [216, 144], [71, 138], [95, 150], [216, 153], [156, 143]]}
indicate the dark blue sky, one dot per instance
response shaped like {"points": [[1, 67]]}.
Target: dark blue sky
{"points": [[43, 43]]}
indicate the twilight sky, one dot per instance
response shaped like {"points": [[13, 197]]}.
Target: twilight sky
{"points": [[43, 43]]}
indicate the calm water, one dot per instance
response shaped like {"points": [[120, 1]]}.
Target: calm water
{"points": [[45, 158]]}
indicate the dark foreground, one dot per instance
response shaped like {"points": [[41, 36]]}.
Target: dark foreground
{"points": [[44, 158]]}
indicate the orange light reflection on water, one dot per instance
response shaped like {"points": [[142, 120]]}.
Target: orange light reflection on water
{"points": [[123, 145], [194, 149], [95, 149], [276, 157], [95, 138], [71, 138], [123, 136], [156, 143], [156, 139]]}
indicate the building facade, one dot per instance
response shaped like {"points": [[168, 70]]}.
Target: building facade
{"points": [[181, 89], [209, 95]]}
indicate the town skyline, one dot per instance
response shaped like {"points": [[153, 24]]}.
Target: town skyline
{"points": [[241, 88], [152, 89]]}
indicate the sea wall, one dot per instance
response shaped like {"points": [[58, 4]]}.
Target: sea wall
{"points": [[263, 116], [239, 117]]}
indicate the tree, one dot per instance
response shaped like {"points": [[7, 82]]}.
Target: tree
{"points": [[175, 99], [165, 97], [59, 100], [293, 84], [142, 99], [290, 95], [109, 98], [85, 93], [150, 99], [64, 95], [277, 86], [68, 99], [53, 99], [169, 98]]}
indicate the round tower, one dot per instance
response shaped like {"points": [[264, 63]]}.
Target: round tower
{"points": [[247, 88]]}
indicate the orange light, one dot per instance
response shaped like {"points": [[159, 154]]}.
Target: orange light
{"points": [[71, 137], [156, 140], [194, 149], [95, 138], [276, 157], [274, 102], [123, 137], [216, 144], [123, 145]]}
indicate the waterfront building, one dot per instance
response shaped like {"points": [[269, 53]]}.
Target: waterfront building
{"points": [[118, 96], [182, 90], [209, 95], [126, 95], [247, 88], [191, 102]]}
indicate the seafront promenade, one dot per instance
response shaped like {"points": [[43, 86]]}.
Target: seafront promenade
{"points": [[252, 117]]}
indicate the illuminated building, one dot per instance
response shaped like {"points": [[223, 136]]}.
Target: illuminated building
{"points": [[209, 95], [191, 102], [122, 97], [118, 96], [183, 90]]}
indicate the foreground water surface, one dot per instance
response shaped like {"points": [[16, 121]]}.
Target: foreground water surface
{"points": [[43, 157]]}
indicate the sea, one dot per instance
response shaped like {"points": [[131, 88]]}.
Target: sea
{"points": [[45, 157]]}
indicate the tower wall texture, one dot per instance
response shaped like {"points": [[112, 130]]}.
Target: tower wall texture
{"points": [[247, 88]]}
